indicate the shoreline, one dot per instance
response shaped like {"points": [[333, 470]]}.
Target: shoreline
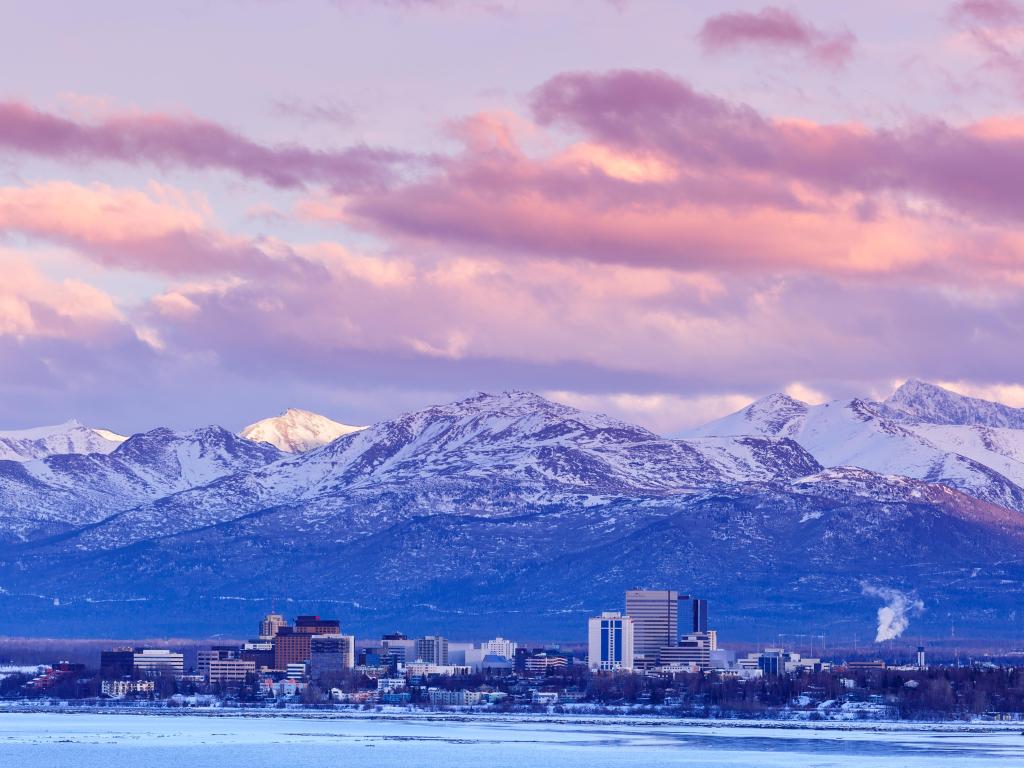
{"points": [[566, 718]]}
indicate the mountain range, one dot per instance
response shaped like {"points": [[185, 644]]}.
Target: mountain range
{"points": [[509, 513]]}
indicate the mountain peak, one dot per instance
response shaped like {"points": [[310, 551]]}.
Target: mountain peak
{"points": [[932, 404], [70, 437], [297, 430], [772, 416]]}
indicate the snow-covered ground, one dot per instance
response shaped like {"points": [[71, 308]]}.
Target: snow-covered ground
{"points": [[155, 741]]}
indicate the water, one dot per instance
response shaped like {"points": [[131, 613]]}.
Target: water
{"points": [[54, 740]]}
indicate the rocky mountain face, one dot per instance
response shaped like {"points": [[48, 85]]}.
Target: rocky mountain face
{"points": [[69, 437], [931, 404], [296, 431], [510, 513], [954, 443], [60, 493]]}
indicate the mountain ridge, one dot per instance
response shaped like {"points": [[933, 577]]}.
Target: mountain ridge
{"points": [[438, 515]]}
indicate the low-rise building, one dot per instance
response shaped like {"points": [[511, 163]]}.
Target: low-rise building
{"points": [[423, 669], [692, 651], [440, 697], [119, 689]]}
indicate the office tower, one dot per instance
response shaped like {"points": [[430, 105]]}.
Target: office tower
{"points": [[291, 647], [700, 615], [331, 654], [314, 625], [610, 642], [655, 615], [270, 624], [432, 649], [920, 656]]}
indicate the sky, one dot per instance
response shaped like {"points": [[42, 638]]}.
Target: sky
{"points": [[211, 211]]}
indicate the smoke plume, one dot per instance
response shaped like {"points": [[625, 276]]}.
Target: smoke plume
{"points": [[893, 617]]}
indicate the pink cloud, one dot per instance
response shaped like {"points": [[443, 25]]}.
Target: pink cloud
{"points": [[959, 167], [995, 12], [33, 305], [996, 28], [161, 230], [776, 28], [169, 141]]}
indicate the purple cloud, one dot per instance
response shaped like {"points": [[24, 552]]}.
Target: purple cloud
{"points": [[780, 29], [192, 143], [994, 12], [973, 169]]}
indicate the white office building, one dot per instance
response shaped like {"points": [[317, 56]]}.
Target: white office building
{"points": [[158, 661], [499, 646], [610, 642], [432, 649]]}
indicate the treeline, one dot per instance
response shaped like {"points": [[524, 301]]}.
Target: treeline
{"points": [[934, 694]]}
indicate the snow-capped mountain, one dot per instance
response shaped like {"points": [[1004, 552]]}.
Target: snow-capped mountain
{"points": [[46, 496], [297, 431], [935, 405], [890, 439], [488, 454], [69, 437], [511, 513]]}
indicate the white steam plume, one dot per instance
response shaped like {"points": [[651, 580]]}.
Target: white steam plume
{"points": [[893, 617]]}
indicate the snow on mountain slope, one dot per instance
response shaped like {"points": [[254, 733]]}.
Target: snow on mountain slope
{"points": [[540, 445], [935, 405], [44, 496], [985, 463], [1000, 449], [297, 431], [486, 455], [69, 437]]}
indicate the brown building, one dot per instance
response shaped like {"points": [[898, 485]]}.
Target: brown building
{"points": [[291, 647], [314, 625], [292, 644]]}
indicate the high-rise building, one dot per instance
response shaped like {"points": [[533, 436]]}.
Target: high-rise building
{"points": [[655, 615], [397, 649], [920, 657], [610, 642], [331, 654], [290, 647], [499, 646], [270, 624], [433, 649], [314, 625], [700, 615]]}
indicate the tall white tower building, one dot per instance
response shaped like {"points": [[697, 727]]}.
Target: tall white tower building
{"points": [[610, 645]]}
